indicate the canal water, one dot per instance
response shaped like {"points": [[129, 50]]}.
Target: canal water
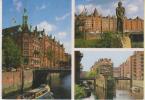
{"points": [[119, 92], [61, 87], [103, 95], [123, 94]]}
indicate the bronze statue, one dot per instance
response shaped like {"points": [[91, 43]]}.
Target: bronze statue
{"points": [[120, 13]]}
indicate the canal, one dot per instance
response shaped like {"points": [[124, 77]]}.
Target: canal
{"points": [[61, 87], [102, 94], [120, 92]]}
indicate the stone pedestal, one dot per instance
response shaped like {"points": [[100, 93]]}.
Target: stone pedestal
{"points": [[125, 41]]}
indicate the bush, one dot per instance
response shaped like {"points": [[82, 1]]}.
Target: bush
{"points": [[81, 43], [79, 92], [92, 74], [108, 40]]}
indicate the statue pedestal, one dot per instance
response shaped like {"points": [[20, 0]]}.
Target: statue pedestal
{"points": [[125, 42]]}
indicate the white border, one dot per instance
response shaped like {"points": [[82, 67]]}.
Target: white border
{"points": [[72, 50]]}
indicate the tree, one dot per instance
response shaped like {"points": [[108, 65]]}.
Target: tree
{"points": [[11, 53], [79, 92], [92, 74]]}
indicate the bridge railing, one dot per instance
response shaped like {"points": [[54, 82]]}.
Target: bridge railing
{"points": [[54, 68]]}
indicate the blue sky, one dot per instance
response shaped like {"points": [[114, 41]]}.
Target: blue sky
{"points": [[53, 15], [117, 57], [107, 7]]}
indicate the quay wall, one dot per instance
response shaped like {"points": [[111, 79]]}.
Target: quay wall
{"points": [[11, 81]]}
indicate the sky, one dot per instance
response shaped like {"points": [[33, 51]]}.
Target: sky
{"points": [[117, 57], [53, 15], [107, 7]]}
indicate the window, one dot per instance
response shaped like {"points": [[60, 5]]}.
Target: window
{"points": [[25, 53], [25, 45]]}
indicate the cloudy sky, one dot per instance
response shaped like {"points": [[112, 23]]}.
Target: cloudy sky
{"points": [[107, 7], [53, 15], [117, 57]]}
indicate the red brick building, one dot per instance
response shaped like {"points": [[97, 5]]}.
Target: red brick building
{"points": [[37, 48], [116, 72], [103, 66], [133, 66], [138, 65], [95, 23], [125, 68]]}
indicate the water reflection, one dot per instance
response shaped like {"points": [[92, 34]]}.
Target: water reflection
{"points": [[102, 93], [113, 94], [92, 97], [120, 91], [123, 94], [61, 87]]}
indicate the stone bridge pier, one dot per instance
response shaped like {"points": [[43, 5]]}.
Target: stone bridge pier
{"points": [[40, 77]]}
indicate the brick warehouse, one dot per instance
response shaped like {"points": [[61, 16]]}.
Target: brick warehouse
{"points": [[133, 65], [103, 66], [95, 23], [37, 49], [104, 69]]}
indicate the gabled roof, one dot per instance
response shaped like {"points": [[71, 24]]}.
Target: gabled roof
{"points": [[95, 12]]}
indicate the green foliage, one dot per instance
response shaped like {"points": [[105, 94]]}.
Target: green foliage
{"points": [[81, 43], [92, 74], [79, 92], [110, 78], [11, 53], [111, 83], [79, 35], [110, 39], [107, 40]]}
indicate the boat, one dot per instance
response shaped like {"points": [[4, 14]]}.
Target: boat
{"points": [[42, 92]]}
